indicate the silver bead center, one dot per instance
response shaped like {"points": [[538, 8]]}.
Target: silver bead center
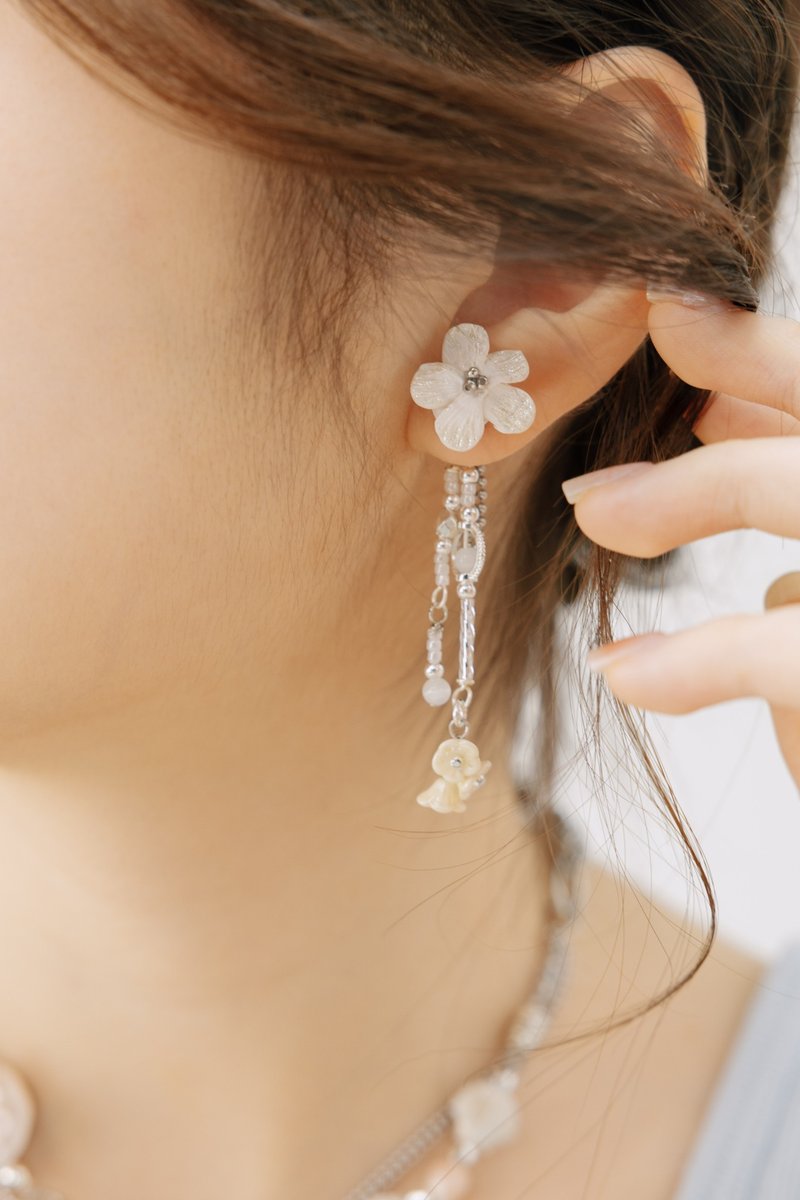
{"points": [[474, 381]]}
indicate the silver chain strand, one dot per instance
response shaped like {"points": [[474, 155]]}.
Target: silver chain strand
{"points": [[436, 689], [527, 1028], [471, 546]]}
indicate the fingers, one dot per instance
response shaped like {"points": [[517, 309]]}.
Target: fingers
{"points": [[730, 417], [728, 658], [733, 484], [724, 349], [745, 475]]}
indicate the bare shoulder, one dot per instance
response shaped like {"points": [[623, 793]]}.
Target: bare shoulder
{"points": [[685, 1042], [614, 1107]]}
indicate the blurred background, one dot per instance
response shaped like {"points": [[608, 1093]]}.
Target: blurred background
{"points": [[723, 762]]}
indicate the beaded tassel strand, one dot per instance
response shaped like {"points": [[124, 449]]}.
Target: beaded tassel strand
{"points": [[460, 549]]}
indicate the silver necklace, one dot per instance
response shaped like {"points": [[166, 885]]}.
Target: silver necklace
{"points": [[481, 1114]]}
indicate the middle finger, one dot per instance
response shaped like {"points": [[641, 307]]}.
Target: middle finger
{"points": [[741, 483], [724, 349], [731, 417]]}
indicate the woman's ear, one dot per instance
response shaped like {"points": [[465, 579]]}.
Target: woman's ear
{"points": [[656, 89], [575, 335]]}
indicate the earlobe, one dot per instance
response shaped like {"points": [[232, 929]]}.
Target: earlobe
{"points": [[571, 355]]}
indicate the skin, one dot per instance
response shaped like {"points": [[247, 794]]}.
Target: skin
{"points": [[742, 478], [234, 934]]}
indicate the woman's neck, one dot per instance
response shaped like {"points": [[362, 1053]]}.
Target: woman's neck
{"points": [[240, 959]]}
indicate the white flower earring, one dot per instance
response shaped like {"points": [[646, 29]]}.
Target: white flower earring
{"points": [[470, 386], [460, 548]]}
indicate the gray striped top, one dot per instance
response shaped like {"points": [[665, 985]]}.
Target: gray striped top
{"points": [[748, 1146]]}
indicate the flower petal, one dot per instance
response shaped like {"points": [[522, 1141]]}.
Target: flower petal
{"points": [[477, 768], [451, 799], [474, 780], [506, 366], [432, 797], [456, 749], [465, 346], [442, 797], [436, 384], [508, 408], [461, 424]]}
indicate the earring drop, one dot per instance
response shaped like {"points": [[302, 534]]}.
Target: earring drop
{"points": [[466, 389], [470, 386], [436, 690], [460, 549]]}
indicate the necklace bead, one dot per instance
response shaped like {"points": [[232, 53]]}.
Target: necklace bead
{"points": [[447, 1179]]}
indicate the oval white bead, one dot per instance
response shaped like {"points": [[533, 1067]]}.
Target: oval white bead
{"points": [[436, 691], [464, 558]]}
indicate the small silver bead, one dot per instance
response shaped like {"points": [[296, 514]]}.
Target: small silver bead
{"points": [[452, 503], [434, 669], [471, 513], [466, 589], [474, 381], [470, 475]]}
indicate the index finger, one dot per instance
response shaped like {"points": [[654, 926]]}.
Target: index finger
{"points": [[720, 348]]}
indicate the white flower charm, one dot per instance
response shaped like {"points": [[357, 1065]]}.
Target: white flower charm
{"points": [[471, 386], [458, 763]]}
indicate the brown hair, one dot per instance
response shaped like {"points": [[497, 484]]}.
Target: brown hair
{"points": [[451, 115]]}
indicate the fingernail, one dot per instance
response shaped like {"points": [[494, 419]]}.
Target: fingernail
{"points": [[572, 488], [659, 292], [599, 657]]}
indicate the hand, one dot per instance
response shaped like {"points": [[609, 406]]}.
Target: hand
{"points": [[746, 475]]}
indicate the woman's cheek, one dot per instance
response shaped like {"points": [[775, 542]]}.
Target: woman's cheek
{"points": [[116, 241]]}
